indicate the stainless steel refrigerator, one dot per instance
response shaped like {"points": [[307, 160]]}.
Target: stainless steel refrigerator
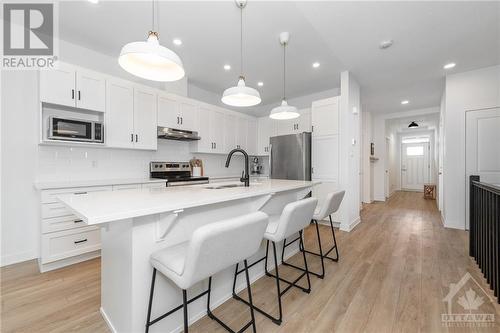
{"points": [[291, 157]]}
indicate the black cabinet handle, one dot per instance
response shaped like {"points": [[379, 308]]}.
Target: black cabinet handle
{"points": [[78, 221], [177, 120], [80, 241], [136, 138], [181, 120], [131, 137], [79, 95], [78, 193], [215, 145], [72, 93]]}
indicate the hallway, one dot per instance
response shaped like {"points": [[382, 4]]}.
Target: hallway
{"points": [[394, 271]]}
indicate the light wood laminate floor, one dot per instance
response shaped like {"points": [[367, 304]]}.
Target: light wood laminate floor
{"points": [[394, 271]]}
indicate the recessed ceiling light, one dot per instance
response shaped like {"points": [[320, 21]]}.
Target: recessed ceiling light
{"points": [[177, 41], [449, 66], [405, 102], [94, 1], [260, 83], [385, 44], [227, 67], [316, 65]]}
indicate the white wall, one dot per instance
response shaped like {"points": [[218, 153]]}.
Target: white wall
{"points": [[466, 91], [366, 137], [23, 161], [379, 134], [350, 151]]}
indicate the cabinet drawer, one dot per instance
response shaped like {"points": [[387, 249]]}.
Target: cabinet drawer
{"points": [[61, 223], [69, 243], [50, 196], [55, 210]]}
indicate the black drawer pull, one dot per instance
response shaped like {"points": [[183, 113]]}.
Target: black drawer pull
{"points": [[80, 241], [78, 221], [78, 193]]}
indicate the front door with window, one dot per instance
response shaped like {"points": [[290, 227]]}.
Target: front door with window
{"points": [[414, 166]]}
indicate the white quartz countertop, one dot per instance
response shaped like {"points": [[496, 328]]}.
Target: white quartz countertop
{"points": [[98, 182], [102, 207]]}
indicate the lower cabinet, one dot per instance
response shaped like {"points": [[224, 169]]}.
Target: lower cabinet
{"points": [[65, 239]]}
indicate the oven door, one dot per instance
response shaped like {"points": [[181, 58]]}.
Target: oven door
{"points": [[70, 129]]}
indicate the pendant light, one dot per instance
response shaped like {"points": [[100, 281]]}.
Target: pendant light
{"points": [[151, 61], [241, 95], [413, 125], [284, 111]]}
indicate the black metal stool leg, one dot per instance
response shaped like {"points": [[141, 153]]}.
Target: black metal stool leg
{"points": [[250, 297], [305, 265], [277, 285], [334, 241], [150, 305], [185, 307]]}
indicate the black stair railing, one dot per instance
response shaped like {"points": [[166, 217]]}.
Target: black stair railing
{"points": [[484, 230]]}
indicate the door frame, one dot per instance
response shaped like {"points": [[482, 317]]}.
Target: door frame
{"points": [[401, 154]]}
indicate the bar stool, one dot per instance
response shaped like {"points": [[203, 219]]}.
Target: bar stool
{"points": [[212, 248], [330, 205], [294, 218]]}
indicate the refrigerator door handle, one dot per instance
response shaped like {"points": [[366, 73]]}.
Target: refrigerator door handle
{"points": [[270, 149]]}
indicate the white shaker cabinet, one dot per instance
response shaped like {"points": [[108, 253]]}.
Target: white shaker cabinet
{"points": [[145, 121], [73, 86], [211, 131], [177, 112], [296, 125], [131, 116], [325, 146], [230, 130], [119, 124], [266, 128], [252, 136]]}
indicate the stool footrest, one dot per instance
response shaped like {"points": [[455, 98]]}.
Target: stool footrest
{"points": [[175, 309], [214, 317], [292, 283], [259, 310], [321, 276]]}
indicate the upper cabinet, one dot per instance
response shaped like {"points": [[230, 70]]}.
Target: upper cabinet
{"points": [[177, 112], [131, 116], [266, 128], [252, 136], [325, 117], [297, 125], [72, 86], [210, 129]]}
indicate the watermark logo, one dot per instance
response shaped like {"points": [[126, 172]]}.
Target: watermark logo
{"points": [[29, 35], [468, 305]]}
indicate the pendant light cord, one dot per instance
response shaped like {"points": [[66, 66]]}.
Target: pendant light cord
{"points": [[241, 41], [284, 71]]}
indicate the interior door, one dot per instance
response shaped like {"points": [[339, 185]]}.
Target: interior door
{"points": [[145, 119], [482, 152], [57, 85], [91, 90], [414, 166], [119, 126]]}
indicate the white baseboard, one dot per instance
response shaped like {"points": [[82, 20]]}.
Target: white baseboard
{"points": [[351, 225], [15, 258], [67, 261], [327, 222], [106, 320]]}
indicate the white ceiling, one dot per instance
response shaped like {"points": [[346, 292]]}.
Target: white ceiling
{"points": [[340, 35]]}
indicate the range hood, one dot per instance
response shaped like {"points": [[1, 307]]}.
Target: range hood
{"points": [[177, 134]]}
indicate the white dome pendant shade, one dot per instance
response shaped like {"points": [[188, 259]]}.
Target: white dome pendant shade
{"points": [[241, 95], [151, 61], [284, 111]]}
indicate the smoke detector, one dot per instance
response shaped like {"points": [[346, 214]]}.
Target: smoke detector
{"points": [[385, 44]]}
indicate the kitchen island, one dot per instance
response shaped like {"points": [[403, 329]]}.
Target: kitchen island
{"points": [[137, 222]]}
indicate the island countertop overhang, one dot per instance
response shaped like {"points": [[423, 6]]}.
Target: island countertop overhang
{"points": [[104, 207]]}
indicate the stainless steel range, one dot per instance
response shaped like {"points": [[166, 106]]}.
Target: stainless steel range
{"points": [[176, 173]]}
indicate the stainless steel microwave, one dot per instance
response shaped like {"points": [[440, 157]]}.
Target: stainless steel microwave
{"points": [[75, 130]]}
